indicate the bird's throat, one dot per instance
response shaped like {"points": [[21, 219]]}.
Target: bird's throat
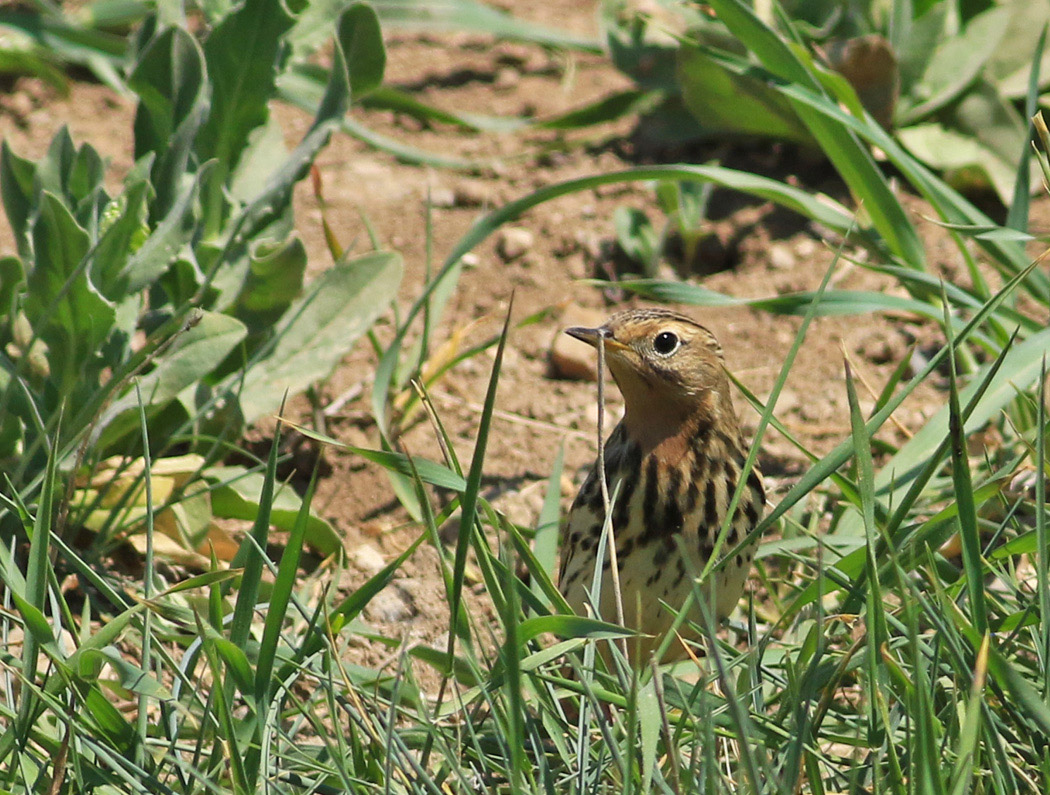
{"points": [[668, 435]]}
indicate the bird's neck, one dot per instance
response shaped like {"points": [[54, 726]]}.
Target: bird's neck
{"points": [[670, 429]]}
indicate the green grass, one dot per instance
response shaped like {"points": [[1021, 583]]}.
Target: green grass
{"points": [[876, 665]]}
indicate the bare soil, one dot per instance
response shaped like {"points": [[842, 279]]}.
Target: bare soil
{"points": [[757, 250]]}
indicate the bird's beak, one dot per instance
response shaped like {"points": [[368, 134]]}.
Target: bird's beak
{"points": [[592, 335]]}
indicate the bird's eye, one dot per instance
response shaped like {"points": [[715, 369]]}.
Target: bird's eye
{"points": [[666, 343]]}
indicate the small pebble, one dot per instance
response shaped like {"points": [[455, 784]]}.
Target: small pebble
{"points": [[368, 559], [507, 77], [442, 198], [806, 247], [781, 257], [514, 242], [475, 194], [389, 606]]}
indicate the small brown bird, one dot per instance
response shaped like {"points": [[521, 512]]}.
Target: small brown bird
{"points": [[677, 455]]}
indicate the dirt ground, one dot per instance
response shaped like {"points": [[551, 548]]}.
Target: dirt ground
{"points": [[759, 251]]}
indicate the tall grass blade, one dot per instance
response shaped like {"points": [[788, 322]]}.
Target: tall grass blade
{"points": [[967, 747], [1042, 555], [250, 556], [469, 500], [1017, 217], [545, 544], [38, 572], [147, 582], [968, 529]]}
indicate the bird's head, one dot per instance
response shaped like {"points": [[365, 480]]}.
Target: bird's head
{"points": [[663, 362]]}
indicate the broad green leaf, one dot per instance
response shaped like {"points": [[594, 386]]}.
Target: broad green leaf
{"points": [[275, 199], [112, 14], [649, 61], [1000, 129], [313, 25], [71, 42], [942, 147], [122, 231], [16, 190], [20, 55], [194, 353], [853, 162], [915, 42], [731, 104], [236, 495], [956, 61], [636, 236], [274, 280], [1009, 68], [173, 231], [61, 303], [266, 147], [70, 174], [244, 54], [1006, 256], [362, 43], [978, 142], [170, 81], [169, 78], [319, 329], [12, 280]]}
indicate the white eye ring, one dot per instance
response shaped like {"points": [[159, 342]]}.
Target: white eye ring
{"points": [[665, 343]]}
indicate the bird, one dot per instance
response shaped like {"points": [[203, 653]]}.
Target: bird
{"points": [[673, 463]]}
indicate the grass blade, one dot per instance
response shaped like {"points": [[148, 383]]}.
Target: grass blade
{"points": [[469, 500], [968, 530]]}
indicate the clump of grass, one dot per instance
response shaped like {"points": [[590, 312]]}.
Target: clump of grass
{"points": [[877, 665]]}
